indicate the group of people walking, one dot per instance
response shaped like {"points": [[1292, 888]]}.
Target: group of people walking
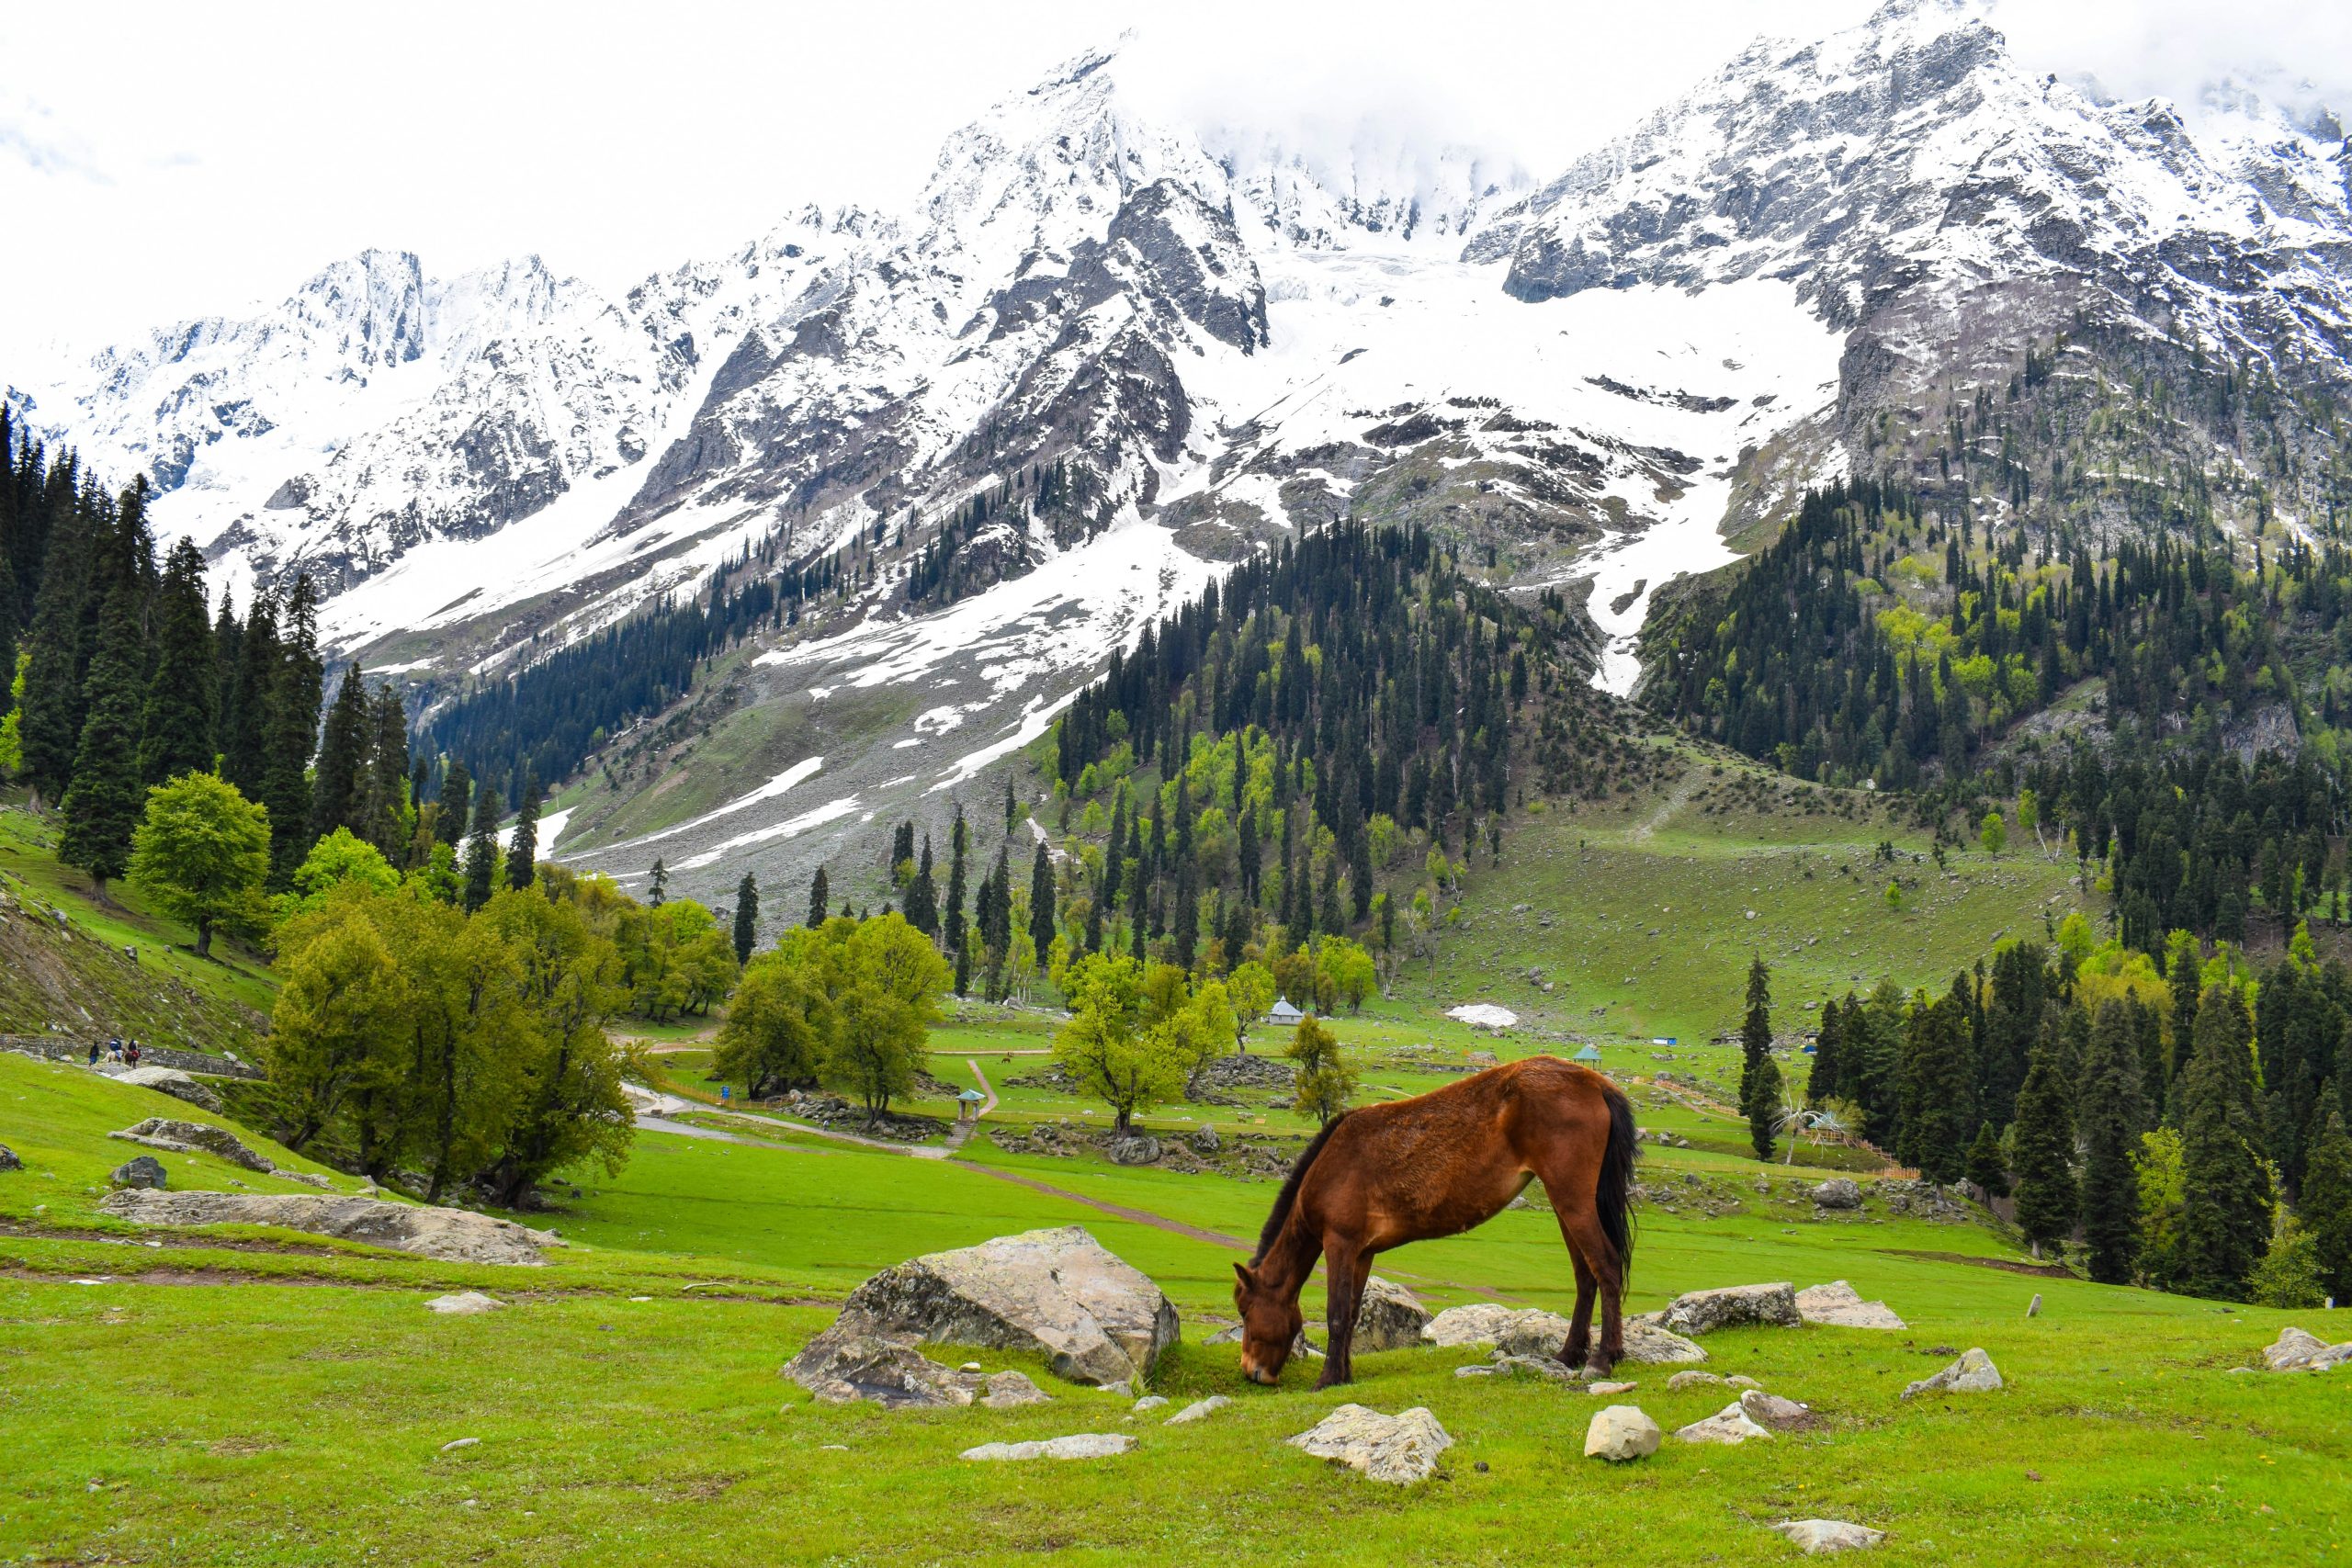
{"points": [[117, 1050]]}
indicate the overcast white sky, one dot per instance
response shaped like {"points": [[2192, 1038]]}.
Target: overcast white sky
{"points": [[161, 160]]}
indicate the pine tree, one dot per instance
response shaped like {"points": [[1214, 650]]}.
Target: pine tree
{"points": [[658, 888], [457, 804], [819, 898], [2110, 1119], [1821, 1083], [2326, 1208], [481, 850], [1042, 924], [959, 844], [1012, 806], [2044, 1139], [176, 733], [384, 794], [295, 695], [343, 757], [923, 896], [1945, 1077], [102, 805], [50, 725], [2225, 1188], [1984, 1167], [523, 850], [1185, 927], [747, 917], [1758, 1089], [244, 749]]}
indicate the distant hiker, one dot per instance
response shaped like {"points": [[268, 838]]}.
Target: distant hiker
{"points": [[134, 1053], [723, 1093], [94, 1053]]}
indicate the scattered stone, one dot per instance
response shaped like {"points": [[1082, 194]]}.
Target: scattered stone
{"points": [[8, 1160], [842, 1369], [1150, 1402], [1483, 1372], [1681, 1380], [1602, 1390], [1391, 1317], [1820, 1535], [1136, 1148], [1650, 1345], [1972, 1373], [1547, 1367], [1839, 1192], [1620, 1433], [1123, 1388], [140, 1172], [1060, 1292], [452, 1236], [1206, 1142], [1734, 1306], [969, 1367], [178, 1138], [2299, 1351], [1199, 1410], [2034, 1307], [465, 1303], [1774, 1414], [1082, 1445], [459, 1443], [1008, 1390], [1741, 1379], [1399, 1450], [174, 1082], [1488, 1322], [1731, 1425], [1839, 1305]]}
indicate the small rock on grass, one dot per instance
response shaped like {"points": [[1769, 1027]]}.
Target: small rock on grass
{"points": [[1731, 1426], [1008, 1390], [143, 1170], [1972, 1373], [1681, 1380], [459, 1443], [1150, 1402], [1820, 1535], [1605, 1389], [1399, 1450], [1081, 1445], [1620, 1433], [465, 1303], [1741, 1379], [1199, 1410], [1775, 1413]]}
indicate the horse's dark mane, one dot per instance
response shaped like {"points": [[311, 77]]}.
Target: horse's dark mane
{"points": [[1288, 1196]]}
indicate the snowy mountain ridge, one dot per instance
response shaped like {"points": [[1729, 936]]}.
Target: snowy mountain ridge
{"points": [[1215, 338]]}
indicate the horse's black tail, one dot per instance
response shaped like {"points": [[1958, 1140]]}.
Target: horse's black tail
{"points": [[1614, 1199]]}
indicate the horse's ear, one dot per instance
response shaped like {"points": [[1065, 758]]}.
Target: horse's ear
{"points": [[1246, 1278]]}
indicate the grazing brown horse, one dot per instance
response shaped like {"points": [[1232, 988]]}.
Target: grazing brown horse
{"points": [[1436, 1165]]}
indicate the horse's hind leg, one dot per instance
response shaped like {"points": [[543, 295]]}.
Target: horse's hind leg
{"points": [[1580, 1325], [1344, 1267], [1590, 1244]]}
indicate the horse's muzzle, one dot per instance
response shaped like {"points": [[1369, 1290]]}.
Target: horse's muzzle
{"points": [[1259, 1375]]}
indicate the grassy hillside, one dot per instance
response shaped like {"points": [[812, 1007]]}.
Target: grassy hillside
{"points": [[268, 1398], [66, 963]]}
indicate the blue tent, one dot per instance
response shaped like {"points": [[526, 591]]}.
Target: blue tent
{"points": [[1589, 1054]]}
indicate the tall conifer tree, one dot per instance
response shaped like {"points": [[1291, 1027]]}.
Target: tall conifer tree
{"points": [[2110, 1122], [820, 899], [747, 917], [295, 695], [2225, 1188], [102, 805], [178, 729], [343, 744], [2044, 1139], [481, 850], [523, 850], [1758, 1089]]}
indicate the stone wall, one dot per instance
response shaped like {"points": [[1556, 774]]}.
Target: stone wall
{"points": [[66, 1048]]}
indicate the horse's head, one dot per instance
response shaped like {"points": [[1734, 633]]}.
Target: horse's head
{"points": [[1270, 1323]]}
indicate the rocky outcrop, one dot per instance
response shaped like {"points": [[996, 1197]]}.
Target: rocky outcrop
{"points": [[1839, 1305], [193, 1137], [1399, 1450], [1620, 1433], [1081, 1445], [842, 1369], [1972, 1373], [1391, 1319], [1818, 1536], [1734, 1306], [1059, 1293], [174, 1082], [2298, 1350], [452, 1236]]}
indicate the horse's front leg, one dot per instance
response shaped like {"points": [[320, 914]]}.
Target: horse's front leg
{"points": [[1344, 1267]]}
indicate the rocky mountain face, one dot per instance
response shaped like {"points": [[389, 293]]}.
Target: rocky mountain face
{"points": [[1169, 346]]}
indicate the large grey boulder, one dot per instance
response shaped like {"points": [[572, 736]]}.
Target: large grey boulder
{"points": [[452, 1236], [1819, 1537], [842, 1369], [1839, 1192], [1135, 1148], [1391, 1319], [2298, 1350], [1081, 1445], [1734, 1306], [1839, 1305], [1648, 1342], [177, 1138], [141, 1171], [1399, 1450], [1060, 1292], [1620, 1433], [1972, 1373], [174, 1082]]}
